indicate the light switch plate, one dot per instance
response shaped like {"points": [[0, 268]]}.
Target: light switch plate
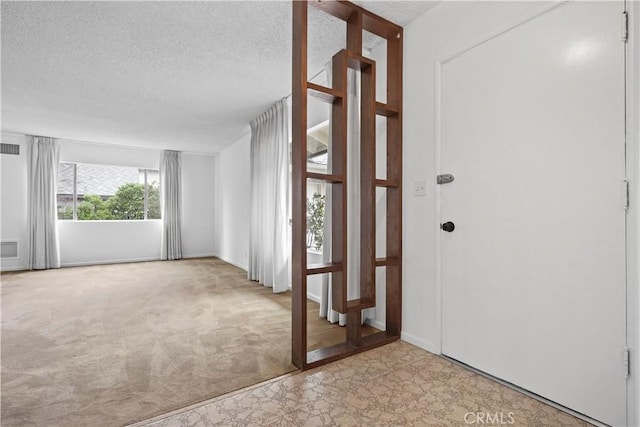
{"points": [[419, 188]]}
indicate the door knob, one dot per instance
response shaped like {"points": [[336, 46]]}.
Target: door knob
{"points": [[448, 226]]}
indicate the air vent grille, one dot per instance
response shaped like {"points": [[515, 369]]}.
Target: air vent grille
{"points": [[9, 149], [8, 249]]}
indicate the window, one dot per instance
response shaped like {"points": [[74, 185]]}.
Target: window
{"points": [[317, 146], [317, 156], [107, 193]]}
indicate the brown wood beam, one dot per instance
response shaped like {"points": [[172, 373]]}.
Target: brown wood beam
{"points": [[299, 188], [338, 191], [354, 328], [335, 352], [394, 194], [354, 32], [368, 184], [370, 21], [326, 94]]}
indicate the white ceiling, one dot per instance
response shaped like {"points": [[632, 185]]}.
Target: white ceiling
{"points": [[170, 75]]}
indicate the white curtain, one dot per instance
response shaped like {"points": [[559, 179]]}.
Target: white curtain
{"points": [[269, 232], [353, 203], [170, 188], [43, 247]]}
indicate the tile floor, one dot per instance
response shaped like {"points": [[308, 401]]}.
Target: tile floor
{"points": [[394, 385]]}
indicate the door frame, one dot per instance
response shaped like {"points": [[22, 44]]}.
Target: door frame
{"points": [[632, 119]]}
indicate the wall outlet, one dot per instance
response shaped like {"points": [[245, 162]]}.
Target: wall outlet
{"points": [[420, 188]]}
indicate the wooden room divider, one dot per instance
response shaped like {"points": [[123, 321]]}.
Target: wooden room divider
{"points": [[357, 19]]}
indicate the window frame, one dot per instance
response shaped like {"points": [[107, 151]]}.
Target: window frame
{"points": [[75, 194]]}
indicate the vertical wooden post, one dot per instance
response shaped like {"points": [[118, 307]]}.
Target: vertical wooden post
{"points": [[354, 46], [394, 194], [368, 185], [339, 190], [354, 32], [299, 187]]}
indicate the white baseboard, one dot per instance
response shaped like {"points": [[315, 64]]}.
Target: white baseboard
{"points": [[376, 324], [313, 297], [14, 268], [110, 261], [419, 342], [227, 260], [207, 255], [126, 260]]}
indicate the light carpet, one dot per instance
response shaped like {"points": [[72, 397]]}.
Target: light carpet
{"points": [[113, 344]]}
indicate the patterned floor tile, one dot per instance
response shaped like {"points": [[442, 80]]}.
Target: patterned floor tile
{"points": [[395, 385]]}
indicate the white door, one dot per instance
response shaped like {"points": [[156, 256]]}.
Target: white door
{"points": [[533, 275]]}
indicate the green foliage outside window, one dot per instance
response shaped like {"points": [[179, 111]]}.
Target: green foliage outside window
{"points": [[126, 203], [153, 201], [94, 208], [315, 221], [65, 212]]}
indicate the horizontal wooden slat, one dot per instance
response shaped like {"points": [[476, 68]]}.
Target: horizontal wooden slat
{"points": [[386, 110], [323, 268], [370, 21], [358, 304], [323, 93], [381, 262], [335, 352], [358, 62], [386, 183], [325, 177]]}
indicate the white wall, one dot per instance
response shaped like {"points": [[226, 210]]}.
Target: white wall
{"points": [[13, 203], [232, 202], [98, 242], [198, 205], [107, 242], [121, 241], [445, 30]]}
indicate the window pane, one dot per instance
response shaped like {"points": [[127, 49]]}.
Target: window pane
{"points": [[316, 199], [110, 192], [65, 191], [153, 194]]}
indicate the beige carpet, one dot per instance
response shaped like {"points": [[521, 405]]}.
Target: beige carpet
{"points": [[114, 344]]}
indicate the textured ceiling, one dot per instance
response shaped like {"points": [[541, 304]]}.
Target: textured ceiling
{"points": [[180, 75]]}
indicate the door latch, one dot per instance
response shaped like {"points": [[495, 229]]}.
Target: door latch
{"points": [[445, 178]]}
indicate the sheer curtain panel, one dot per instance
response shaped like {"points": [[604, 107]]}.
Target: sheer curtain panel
{"points": [[43, 247], [269, 234], [170, 187]]}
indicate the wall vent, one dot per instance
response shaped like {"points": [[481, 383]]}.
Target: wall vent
{"points": [[9, 149], [8, 249]]}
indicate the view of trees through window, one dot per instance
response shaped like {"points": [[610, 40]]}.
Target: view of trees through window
{"points": [[104, 192], [317, 147], [315, 221]]}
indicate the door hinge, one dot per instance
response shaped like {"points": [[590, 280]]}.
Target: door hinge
{"points": [[626, 362], [625, 27], [625, 194]]}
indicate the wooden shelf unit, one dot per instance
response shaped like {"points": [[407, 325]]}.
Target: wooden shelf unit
{"points": [[323, 93], [357, 19], [386, 110], [325, 177], [323, 268]]}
